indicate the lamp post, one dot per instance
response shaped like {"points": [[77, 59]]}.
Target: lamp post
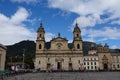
{"points": [[23, 58]]}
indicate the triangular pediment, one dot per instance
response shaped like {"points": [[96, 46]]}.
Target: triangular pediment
{"points": [[104, 58], [59, 39]]}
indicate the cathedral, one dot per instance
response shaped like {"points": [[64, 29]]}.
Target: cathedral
{"points": [[58, 54]]}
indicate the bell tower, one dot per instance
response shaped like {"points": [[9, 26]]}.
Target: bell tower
{"points": [[40, 42], [77, 40]]}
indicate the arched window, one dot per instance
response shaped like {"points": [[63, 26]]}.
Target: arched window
{"points": [[40, 35], [77, 35], [39, 62], [78, 46], [118, 66], [40, 46]]}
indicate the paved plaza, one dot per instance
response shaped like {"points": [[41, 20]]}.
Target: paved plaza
{"points": [[67, 76]]}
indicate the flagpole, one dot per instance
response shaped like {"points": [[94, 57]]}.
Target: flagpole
{"points": [[23, 58]]}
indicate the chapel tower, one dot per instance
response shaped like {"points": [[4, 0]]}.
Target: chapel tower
{"points": [[77, 40], [40, 42]]}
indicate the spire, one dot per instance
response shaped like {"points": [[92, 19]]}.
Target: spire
{"points": [[41, 29], [76, 25], [76, 28], [41, 24], [106, 45], [59, 34]]}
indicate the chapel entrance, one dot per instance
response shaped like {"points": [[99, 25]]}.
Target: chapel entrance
{"points": [[59, 65], [70, 66], [48, 66]]}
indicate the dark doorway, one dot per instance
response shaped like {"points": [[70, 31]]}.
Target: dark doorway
{"points": [[105, 66], [48, 66], [59, 66], [70, 66]]}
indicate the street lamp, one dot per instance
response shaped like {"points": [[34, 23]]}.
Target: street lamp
{"points": [[23, 58]]}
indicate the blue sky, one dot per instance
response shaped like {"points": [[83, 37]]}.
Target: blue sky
{"points": [[99, 20]]}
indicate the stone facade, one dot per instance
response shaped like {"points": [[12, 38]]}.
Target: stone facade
{"points": [[58, 54], [2, 56]]}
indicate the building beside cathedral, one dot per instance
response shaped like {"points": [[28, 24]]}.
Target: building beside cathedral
{"points": [[58, 54], [2, 56]]}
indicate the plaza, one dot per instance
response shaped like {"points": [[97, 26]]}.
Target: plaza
{"points": [[67, 76]]}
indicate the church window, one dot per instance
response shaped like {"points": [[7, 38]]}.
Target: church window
{"points": [[78, 46], [88, 67], [84, 63], [40, 35], [87, 63], [95, 63], [118, 66], [79, 61], [77, 35], [113, 66], [39, 62], [91, 63], [40, 46], [91, 67]]}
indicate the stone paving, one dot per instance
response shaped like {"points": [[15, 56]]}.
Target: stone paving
{"points": [[67, 76]]}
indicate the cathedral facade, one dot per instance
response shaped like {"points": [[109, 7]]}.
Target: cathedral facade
{"points": [[58, 54]]}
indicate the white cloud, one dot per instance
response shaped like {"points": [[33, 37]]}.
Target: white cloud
{"points": [[90, 13], [116, 22], [88, 21], [26, 1], [20, 16], [49, 36], [89, 10], [104, 34], [13, 29], [114, 47]]}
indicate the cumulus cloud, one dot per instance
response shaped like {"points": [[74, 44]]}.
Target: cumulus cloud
{"points": [[88, 21], [114, 47], [104, 34], [26, 1], [13, 29], [90, 13], [49, 36], [89, 7]]}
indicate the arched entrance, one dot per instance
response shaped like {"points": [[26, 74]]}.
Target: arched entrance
{"points": [[105, 62], [59, 62], [59, 65], [105, 66], [70, 66]]}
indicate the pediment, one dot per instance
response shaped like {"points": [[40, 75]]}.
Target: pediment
{"points": [[104, 58], [59, 39]]}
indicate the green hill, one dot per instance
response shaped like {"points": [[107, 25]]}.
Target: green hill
{"points": [[15, 52]]}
